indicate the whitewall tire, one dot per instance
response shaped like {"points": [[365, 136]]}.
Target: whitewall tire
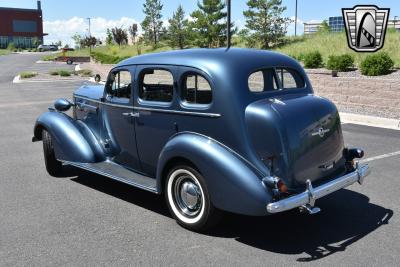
{"points": [[188, 199]]}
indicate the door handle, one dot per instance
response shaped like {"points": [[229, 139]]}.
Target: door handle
{"points": [[131, 114]]}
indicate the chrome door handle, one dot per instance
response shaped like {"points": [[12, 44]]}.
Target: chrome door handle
{"points": [[131, 114]]}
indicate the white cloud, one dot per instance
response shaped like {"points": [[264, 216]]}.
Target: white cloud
{"points": [[62, 30]]}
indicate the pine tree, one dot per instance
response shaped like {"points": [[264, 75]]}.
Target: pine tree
{"points": [[152, 23], [209, 24], [178, 29], [109, 37], [265, 22]]}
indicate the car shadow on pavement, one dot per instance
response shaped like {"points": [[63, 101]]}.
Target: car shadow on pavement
{"points": [[346, 217], [122, 191]]}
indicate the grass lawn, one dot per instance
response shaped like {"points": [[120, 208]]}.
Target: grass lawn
{"points": [[4, 52]]}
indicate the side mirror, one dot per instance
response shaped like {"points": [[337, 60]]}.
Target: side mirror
{"points": [[62, 104]]}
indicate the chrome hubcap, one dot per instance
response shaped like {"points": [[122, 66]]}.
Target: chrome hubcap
{"points": [[187, 196]]}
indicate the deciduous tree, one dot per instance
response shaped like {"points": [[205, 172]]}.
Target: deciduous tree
{"points": [[133, 30], [120, 36]]}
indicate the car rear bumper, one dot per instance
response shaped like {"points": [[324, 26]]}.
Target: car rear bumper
{"points": [[308, 197]]}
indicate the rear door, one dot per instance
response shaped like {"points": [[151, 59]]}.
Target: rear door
{"points": [[155, 101]]}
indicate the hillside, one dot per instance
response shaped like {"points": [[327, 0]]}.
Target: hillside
{"points": [[336, 43], [326, 43]]}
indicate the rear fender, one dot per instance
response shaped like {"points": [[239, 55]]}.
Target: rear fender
{"points": [[72, 139], [233, 183]]}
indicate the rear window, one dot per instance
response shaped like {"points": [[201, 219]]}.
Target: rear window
{"points": [[271, 79]]}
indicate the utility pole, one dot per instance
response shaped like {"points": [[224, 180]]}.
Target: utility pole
{"points": [[295, 21], [90, 35]]}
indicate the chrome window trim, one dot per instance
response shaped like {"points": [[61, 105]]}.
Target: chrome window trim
{"points": [[179, 112]]}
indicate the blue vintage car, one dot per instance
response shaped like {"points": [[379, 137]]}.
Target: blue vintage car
{"points": [[213, 130]]}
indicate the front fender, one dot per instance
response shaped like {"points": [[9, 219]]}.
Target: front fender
{"points": [[233, 183], [72, 139]]}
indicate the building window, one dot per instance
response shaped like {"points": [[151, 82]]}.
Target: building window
{"points": [[24, 26], [3, 41]]}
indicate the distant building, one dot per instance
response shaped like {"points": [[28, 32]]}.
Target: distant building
{"points": [[394, 23], [311, 27], [336, 24], [21, 26]]}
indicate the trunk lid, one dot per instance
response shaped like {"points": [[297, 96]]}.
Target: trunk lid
{"points": [[310, 142]]}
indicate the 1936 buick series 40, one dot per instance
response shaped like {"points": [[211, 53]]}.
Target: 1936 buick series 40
{"points": [[236, 130]]}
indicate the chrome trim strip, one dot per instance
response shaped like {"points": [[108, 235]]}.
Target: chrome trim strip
{"points": [[179, 112], [311, 194], [125, 181]]}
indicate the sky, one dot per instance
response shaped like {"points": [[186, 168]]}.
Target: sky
{"points": [[62, 19]]}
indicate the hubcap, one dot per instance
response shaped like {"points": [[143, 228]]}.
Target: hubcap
{"points": [[187, 196]]}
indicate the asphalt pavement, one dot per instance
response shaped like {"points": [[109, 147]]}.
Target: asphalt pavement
{"points": [[88, 220]]}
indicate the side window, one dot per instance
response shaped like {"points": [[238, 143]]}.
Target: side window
{"points": [[120, 84], [263, 80], [156, 85], [289, 79], [196, 89], [256, 82]]}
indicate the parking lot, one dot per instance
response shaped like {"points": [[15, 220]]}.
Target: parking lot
{"points": [[85, 219]]}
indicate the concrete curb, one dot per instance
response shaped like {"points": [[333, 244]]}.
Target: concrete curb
{"points": [[370, 121]]}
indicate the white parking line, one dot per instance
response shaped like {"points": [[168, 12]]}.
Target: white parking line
{"points": [[381, 156]]}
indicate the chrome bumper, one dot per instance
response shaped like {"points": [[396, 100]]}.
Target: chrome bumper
{"points": [[308, 197]]}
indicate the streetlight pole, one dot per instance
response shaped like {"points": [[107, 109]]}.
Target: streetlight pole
{"points": [[295, 21], [90, 35]]}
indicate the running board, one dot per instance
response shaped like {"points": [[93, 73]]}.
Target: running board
{"points": [[119, 173]]}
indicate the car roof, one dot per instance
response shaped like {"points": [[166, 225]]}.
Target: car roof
{"points": [[211, 60]]}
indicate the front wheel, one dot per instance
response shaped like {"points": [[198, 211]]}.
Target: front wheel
{"points": [[188, 199], [53, 166]]}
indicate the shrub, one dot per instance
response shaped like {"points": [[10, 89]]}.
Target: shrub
{"points": [[106, 58], [313, 60], [64, 73], [53, 72], [11, 47], [85, 72], [376, 64], [340, 62], [28, 74]]}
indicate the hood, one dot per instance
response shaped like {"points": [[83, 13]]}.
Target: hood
{"points": [[94, 92], [298, 136]]}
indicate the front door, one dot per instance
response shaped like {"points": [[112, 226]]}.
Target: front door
{"points": [[119, 119]]}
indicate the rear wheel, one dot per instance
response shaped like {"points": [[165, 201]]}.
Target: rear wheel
{"points": [[53, 166], [188, 199]]}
